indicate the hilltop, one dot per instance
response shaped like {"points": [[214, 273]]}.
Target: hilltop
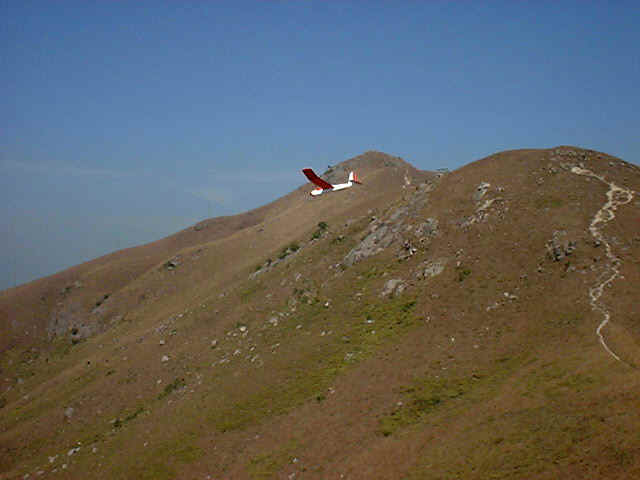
{"points": [[479, 323], [79, 297]]}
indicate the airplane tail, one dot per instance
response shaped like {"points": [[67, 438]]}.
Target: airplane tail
{"points": [[353, 177]]}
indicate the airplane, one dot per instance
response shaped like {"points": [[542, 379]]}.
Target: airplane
{"points": [[324, 186]]}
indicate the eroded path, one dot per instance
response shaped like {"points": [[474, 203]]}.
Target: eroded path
{"points": [[616, 196]]}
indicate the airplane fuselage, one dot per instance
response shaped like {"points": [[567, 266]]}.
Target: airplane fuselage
{"points": [[339, 186]]}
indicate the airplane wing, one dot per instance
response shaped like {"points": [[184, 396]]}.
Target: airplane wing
{"points": [[316, 179]]}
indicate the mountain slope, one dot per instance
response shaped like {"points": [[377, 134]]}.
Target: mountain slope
{"points": [[479, 324], [53, 305]]}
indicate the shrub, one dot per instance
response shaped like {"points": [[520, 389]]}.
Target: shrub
{"points": [[322, 226], [463, 273], [175, 385], [292, 247]]}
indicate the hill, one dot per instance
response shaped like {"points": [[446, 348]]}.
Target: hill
{"points": [[476, 324]]}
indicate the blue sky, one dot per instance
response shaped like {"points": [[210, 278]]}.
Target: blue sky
{"points": [[123, 122]]}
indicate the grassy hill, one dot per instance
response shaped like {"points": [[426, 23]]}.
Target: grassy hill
{"points": [[476, 324]]}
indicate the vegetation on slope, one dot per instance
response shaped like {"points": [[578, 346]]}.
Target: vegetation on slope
{"points": [[463, 348]]}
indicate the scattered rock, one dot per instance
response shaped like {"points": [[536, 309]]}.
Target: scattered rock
{"points": [[200, 226], [165, 358], [72, 451], [428, 228], [559, 246], [398, 214], [101, 305], [172, 264], [481, 190], [68, 413], [393, 287], [493, 306], [431, 268], [407, 250], [486, 204], [373, 243]]}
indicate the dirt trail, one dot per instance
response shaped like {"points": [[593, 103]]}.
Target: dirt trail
{"points": [[616, 196]]}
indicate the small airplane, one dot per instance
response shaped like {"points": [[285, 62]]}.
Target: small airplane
{"points": [[324, 186]]}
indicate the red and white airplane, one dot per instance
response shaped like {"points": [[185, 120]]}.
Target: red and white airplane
{"points": [[324, 186]]}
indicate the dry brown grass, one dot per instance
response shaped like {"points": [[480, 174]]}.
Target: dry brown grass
{"points": [[459, 380]]}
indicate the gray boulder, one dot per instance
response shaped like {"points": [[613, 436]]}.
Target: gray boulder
{"points": [[431, 268], [375, 242], [428, 228], [560, 246], [393, 287]]}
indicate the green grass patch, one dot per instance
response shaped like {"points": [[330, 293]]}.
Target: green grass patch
{"points": [[61, 348], [462, 273], [554, 379], [571, 320], [288, 250], [373, 272], [311, 372], [160, 463], [36, 408], [119, 423], [247, 293], [548, 202], [173, 386], [322, 227], [420, 400], [427, 395], [269, 464], [525, 443]]}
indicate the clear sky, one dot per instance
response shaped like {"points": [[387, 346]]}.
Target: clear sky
{"points": [[123, 122]]}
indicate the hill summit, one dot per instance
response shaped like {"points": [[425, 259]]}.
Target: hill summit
{"points": [[473, 324]]}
